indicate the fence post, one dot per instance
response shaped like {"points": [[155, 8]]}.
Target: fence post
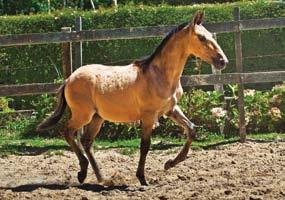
{"points": [[239, 69], [78, 63], [66, 55], [217, 87], [78, 45], [64, 3]]}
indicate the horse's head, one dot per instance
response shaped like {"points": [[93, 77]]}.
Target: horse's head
{"points": [[203, 45]]}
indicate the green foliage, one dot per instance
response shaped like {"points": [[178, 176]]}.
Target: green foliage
{"points": [[4, 110], [43, 104], [264, 113], [42, 63], [13, 7], [4, 104], [173, 2], [113, 131], [256, 110], [200, 108], [277, 108]]}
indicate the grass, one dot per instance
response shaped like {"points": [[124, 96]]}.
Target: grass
{"points": [[269, 136], [54, 146]]}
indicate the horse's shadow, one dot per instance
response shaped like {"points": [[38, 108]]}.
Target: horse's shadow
{"points": [[56, 186], [23, 149]]}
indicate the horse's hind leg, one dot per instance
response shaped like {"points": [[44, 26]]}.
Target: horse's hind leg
{"points": [[77, 121], [177, 115], [90, 132]]}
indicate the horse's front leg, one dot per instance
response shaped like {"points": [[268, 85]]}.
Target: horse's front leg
{"points": [[177, 115], [147, 125]]}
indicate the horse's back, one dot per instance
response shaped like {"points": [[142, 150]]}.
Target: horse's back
{"points": [[109, 91]]}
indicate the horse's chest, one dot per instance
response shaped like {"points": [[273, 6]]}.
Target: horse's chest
{"points": [[168, 98], [166, 104]]}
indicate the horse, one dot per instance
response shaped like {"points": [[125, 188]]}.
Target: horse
{"points": [[142, 91]]}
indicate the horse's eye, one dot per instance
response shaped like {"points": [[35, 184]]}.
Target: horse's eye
{"points": [[202, 38]]}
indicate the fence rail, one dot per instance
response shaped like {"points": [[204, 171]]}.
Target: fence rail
{"points": [[28, 89], [132, 33], [186, 81]]}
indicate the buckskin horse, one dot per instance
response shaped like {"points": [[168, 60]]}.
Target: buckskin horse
{"points": [[141, 91]]}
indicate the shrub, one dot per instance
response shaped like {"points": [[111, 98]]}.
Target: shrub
{"points": [[4, 109], [42, 63], [4, 104], [201, 109], [277, 108], [264, 113], [13, 7]]}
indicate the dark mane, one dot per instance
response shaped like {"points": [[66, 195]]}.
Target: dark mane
{"points": [[145, 62]]}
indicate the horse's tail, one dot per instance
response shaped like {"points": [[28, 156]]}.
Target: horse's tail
{"points": [[57, 114]]}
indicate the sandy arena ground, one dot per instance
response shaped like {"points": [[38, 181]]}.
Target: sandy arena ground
{"points": [[235, 171]]}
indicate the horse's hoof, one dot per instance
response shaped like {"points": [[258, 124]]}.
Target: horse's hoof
{"points": [[142, 180], [81, 176], [168, 164]]}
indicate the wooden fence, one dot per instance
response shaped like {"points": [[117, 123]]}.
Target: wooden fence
{"points": [[67, 37]]}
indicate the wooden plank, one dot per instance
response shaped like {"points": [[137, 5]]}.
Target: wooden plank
{"points": [[78, 45], [28, 89], [186, 81], [269, 23], [34, 38], [232, 78], [66, 55], [209, 79], [218, 87], [89, 35], [77, 64], [124, 33], [130, 33], [262, 77], [221, 27]]}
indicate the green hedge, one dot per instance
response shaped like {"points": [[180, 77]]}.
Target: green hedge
{"points": [[13, 7], [42, 63]]}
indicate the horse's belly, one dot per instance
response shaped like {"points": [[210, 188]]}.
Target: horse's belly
{"points": [[118, 115], [118, 109]]}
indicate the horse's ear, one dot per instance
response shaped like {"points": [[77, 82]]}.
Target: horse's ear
{"points": [[198, 18]]}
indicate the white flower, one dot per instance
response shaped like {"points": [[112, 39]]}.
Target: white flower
{"points": [[249, 92], [276, 100], [218, 112], [275, 113]]}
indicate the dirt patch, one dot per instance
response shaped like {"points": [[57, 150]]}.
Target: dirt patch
{"points": [[235, 171]]}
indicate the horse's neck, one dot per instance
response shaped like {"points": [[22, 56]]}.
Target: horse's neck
{"points": [[172, 60]]}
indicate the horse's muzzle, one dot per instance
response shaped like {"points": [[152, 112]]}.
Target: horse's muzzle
{"points": [[220, 62]]}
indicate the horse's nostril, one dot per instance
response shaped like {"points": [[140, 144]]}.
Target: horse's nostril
{"points": [[219, 60], [223, 61]]}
